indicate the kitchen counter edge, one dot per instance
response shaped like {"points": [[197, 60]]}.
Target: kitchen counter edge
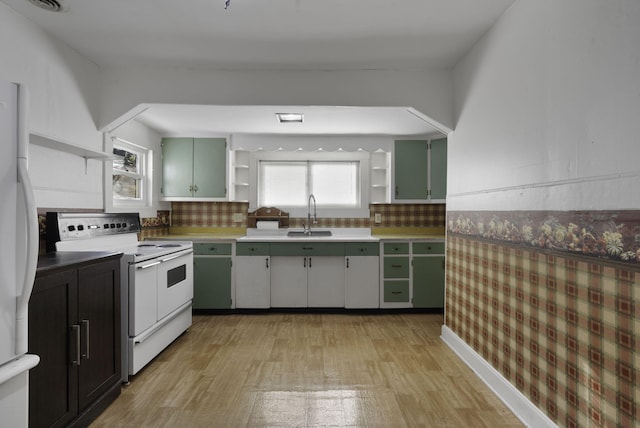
{"points": [[56, 260]]}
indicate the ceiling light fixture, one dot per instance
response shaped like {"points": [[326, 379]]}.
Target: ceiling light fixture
{"points": [[290, 117], [50, 5]]}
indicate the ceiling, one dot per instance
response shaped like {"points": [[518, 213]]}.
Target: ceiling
{"points": [[205, 120], [271, 34]]}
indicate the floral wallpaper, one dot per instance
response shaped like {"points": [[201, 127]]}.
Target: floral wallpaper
{"points": [[613, 235]]}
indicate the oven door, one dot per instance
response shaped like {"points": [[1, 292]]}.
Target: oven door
{"points": [[175, 281], [143, 296]]}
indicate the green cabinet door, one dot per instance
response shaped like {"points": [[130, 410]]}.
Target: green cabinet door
{"points": [[177, 167], [428, 282], [411, 169], [209, 168], [439, 168], [211, 282], [194, 167]]}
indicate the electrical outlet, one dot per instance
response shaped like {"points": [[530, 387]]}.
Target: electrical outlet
{"points": [[377, 217], [237, 217]]}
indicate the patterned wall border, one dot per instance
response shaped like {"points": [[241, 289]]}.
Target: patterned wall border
{"points": [[613, 235]]}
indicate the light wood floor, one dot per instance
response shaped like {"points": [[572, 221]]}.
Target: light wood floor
{"points": [[308, 370]]}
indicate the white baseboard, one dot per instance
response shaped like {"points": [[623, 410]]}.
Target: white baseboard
{"points": [[524, 409]]}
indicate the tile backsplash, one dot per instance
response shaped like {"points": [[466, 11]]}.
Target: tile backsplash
{"points": [[221, 214]]}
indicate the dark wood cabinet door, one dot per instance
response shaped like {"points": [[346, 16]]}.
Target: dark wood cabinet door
{"points": [[99, 318], [53, 310]]}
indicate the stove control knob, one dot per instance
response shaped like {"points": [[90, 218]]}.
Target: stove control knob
{"points": [[71, 228], [80, 227]]}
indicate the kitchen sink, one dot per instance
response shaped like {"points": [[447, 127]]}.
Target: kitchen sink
{"points": [[303, 234]]}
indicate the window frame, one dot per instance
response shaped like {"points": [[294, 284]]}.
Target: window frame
{"points": [[361, 157], [145, 174]]}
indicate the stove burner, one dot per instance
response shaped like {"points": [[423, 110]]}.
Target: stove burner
{"points": [[169, 245]]}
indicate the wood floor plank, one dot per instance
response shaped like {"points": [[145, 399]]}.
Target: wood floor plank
{"points": [[308, 370]]}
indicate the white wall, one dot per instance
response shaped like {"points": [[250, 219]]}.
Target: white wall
{"points": [[427, 91], [547, 110], [63, 88], [141, 135]]}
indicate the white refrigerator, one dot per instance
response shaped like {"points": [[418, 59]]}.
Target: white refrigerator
{"points": [[18, 256]]}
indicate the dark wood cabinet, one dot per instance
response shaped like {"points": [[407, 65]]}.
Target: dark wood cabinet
{"points": [[74, 326]]}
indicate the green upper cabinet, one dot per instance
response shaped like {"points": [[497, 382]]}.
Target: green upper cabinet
{"points": [[438, 169], [194, 168], [420, 170], [411, 169]]}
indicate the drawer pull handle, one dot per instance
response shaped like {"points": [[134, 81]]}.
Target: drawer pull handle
{"points": [[396, 266], [267, 262], [347, 262], [307, 248], [396, 292]]}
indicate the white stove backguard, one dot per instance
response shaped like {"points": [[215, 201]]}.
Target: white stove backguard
{"points": [[126, 243]]}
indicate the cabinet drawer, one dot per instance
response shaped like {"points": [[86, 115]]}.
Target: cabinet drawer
{"points": [[428, 248], [396, 248], [362, 249], [396, 291], [252, 249], [307, 249], [211, 249], [396, 267]]}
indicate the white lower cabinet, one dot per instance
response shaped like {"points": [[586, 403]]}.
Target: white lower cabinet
{"points": [[300, 282], [362, 282], [253, 282], [288, 282], [325, 282], [252, 275], [362, 275], [307, 275]]}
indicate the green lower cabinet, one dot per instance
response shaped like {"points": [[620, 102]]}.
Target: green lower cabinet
{"points": [[211, 282], [428, 282], [396, 291]]}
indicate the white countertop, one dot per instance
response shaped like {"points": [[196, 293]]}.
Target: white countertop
{"points": [[359, 234]]}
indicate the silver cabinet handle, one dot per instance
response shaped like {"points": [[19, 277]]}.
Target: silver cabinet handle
{"points": [[195, 188], [85, 339], [75, 330]]}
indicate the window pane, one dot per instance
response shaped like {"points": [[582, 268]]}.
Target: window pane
{"points": [[335, 183], [125, 187], [282, 184], [125, 160]]}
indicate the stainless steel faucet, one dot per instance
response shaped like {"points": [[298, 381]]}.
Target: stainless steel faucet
{"points": [[307, 226]]}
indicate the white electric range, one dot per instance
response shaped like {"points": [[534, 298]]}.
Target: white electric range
{"points": [[156, 279]]}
